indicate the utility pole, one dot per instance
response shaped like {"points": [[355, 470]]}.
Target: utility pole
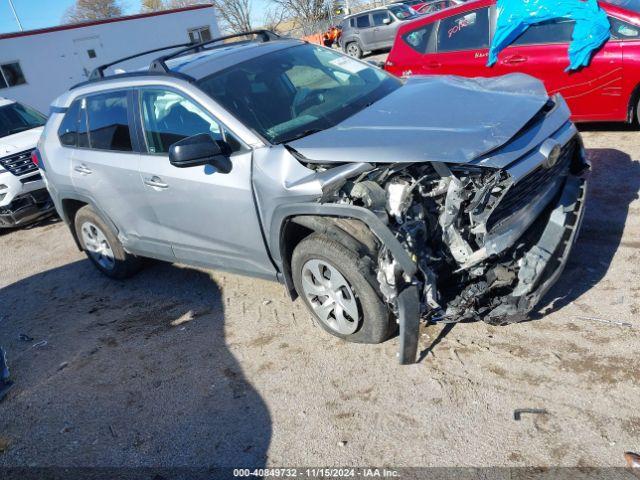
{"points": [[15, 14]]}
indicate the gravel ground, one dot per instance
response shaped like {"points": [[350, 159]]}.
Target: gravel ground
{"points": [[188, 367]]}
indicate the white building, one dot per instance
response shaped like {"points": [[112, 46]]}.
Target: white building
{"points": [[38, 65]]}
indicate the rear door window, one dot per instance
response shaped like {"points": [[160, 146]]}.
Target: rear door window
{"points": [[108, 117], [553, 31], [363, 21], [467, 31]]}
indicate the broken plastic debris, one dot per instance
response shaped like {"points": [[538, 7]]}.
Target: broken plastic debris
{"points": [[187, 317], [23, 337], [604, 320], [590, 32], [517, 413]]}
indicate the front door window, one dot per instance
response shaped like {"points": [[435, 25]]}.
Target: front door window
{"points": [[168, 117]]}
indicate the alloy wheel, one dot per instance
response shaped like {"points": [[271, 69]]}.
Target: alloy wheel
{"points": [[97, 245], [331, 297]]}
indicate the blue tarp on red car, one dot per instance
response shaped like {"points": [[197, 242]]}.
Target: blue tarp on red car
{"points": [[591, 29]]}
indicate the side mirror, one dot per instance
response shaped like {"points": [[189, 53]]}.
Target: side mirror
{"points": [[386, 21], [200, 150]]}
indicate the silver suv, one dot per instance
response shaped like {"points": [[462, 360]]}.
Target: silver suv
{"points": [[373, 29], [379, 202]]}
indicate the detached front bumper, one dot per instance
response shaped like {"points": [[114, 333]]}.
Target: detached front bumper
{"points": [[543, 264], [540, 268], [26, 208]]}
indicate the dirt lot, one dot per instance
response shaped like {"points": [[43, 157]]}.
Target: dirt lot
{"points": [[185, 367]]}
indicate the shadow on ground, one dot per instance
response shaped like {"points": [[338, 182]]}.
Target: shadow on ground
{"points": [[614, 184], [133, 373]]}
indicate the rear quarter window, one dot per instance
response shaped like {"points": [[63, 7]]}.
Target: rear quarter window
{"points": [[422, 39], [68, 131]]}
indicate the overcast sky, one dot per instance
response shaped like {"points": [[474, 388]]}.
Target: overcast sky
{"points": [[47, 13]]}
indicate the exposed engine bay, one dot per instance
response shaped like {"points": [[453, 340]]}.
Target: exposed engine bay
{"points": [[472, 231]]}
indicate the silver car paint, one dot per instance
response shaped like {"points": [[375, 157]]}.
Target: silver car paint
{"points": [[140, 214], [442, 119], [201, 217]]}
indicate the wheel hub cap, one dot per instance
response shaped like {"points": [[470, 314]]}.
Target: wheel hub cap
{"points": [[330, 296], [97, 245]]}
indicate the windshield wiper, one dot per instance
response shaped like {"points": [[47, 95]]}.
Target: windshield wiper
{"points": [[300, 135]]}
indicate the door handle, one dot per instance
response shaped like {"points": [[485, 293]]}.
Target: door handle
{"points": [[156, 182], [83, 169], [515, 59], [434, 65]]}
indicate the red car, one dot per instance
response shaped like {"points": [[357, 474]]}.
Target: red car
{"points": [[414, 4], [456, 42]]}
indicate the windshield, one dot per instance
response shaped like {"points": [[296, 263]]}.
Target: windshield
{"points": [[297, 91], [633, 5], [16, 118], [402, 12]]}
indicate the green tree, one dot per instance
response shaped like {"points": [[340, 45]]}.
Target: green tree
{"points": [[88, 10], [153, 5]]}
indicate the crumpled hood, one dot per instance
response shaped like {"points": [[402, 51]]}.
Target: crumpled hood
{"points": [[432, 118], [19, 142]]}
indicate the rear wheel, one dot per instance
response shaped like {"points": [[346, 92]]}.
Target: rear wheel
{"points": [[340, 289], [102, 246], [354, 50]]}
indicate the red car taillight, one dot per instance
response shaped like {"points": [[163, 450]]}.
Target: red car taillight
{"points": [[35, 158]]}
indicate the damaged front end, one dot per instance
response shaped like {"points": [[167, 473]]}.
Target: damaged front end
{"points": [[487, 242]]}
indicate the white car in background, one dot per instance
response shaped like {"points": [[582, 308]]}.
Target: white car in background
{"points": [[23, 195]]}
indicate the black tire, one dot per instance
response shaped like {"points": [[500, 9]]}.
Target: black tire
{"points": [[353, 50], [375, 323], [123, 264]]}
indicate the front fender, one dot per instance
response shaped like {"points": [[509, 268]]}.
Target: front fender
{"points": [[377, 227]]}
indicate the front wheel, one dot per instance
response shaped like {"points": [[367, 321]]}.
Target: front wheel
{"points": [[102, 246], [354, 50], [340, 289]]}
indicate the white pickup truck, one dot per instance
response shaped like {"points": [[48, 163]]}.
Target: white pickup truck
{"points": [[23, 196]]}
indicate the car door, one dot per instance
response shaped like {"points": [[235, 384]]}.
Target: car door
{"points": [[628, 35], [592, 93], [384, 28], [364, 32], [460, 45], [105, 165], [208, 217]]}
